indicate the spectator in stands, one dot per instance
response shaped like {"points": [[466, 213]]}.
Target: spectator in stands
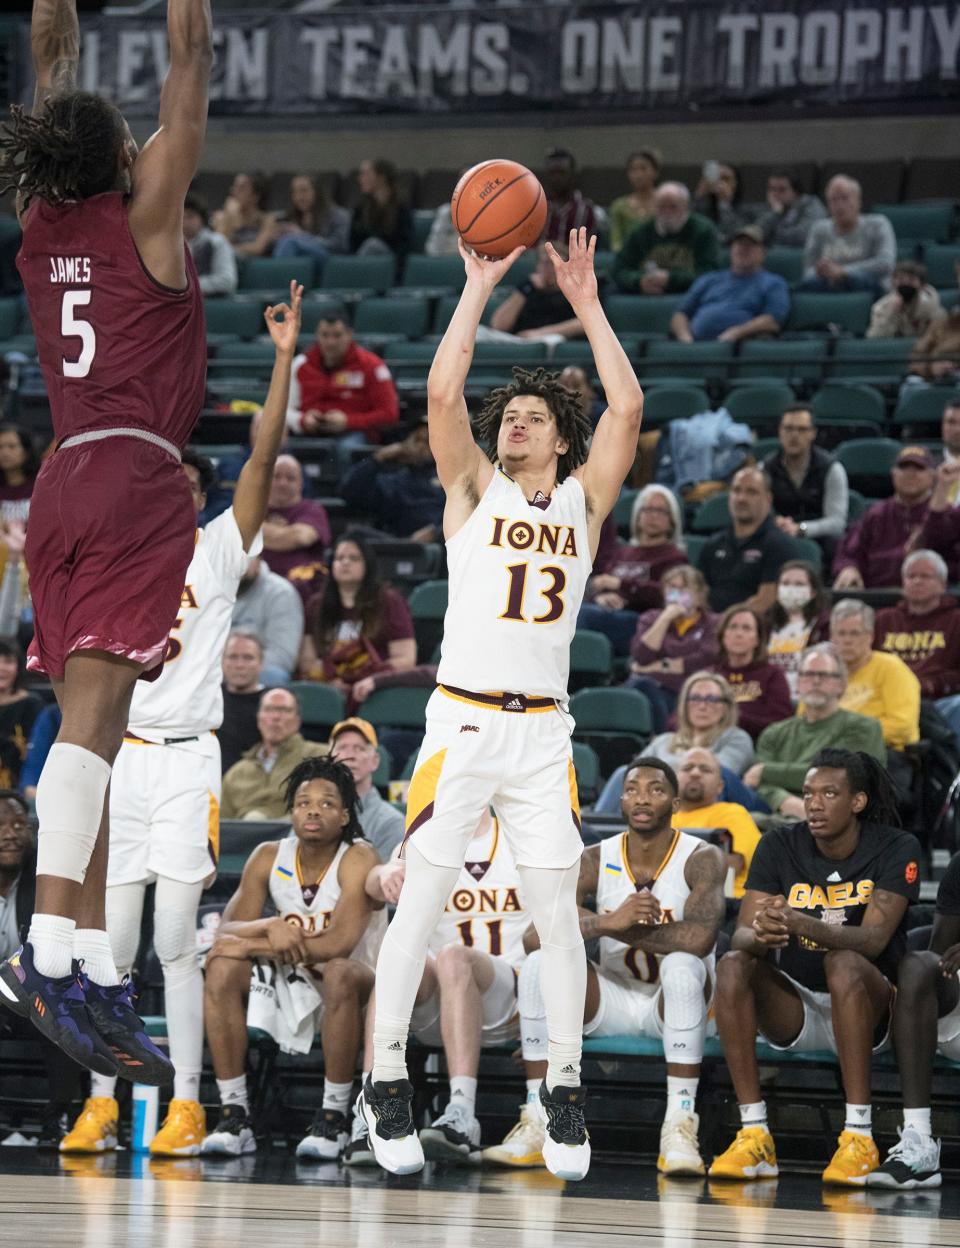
{"points": [[398, 487], [784, 750], [811, 496], [667, 252], [924, 631], [707, 717], [242, 689], [717, 198], [42, 736], [643, 170], [14, 588], [18, 882], [313, 224], [18, 710], [798, 619], [700, 784], [745, 301], [789, 214], [269, 606], [382, 223], [221, 492], [296, 532], [759, 687], [743, 561], [243, 220], [568, 208], [910, 308], [872, 550], [19, 465], [878, 684], [852, 250], [212, 254], [628, 582], [576, 379], [536, 311], [936, 356], [254, 787], [950, 433], [353, 742], [339, 389], [941, 528], [672, 641], [356, 625]]}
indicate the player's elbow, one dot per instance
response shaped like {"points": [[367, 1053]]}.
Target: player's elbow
{"points": [[627, 408]]}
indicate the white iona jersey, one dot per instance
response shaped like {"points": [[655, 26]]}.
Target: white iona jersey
{"points": [[186, 699], [615, 884], [517, 574], [286, 893]]}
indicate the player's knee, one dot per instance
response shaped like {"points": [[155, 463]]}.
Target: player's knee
{"points": [[529, 993], [124, 932], [339, 981], [735, 971], [916, 975], [844, 971], [224, 977], [174, 936], [454, 965], [683, 978]]}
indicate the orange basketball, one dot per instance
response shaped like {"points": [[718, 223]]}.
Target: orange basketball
{"points": [[498, 205]]}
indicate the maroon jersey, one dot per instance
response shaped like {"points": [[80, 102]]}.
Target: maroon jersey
{"points": [[117, 349]]}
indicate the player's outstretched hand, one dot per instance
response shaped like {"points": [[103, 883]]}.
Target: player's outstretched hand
{"points": [[486, 272], [575, 275], [283, 321]]}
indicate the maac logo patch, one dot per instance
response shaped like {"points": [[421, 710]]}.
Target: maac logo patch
{"points": [[910, 874]]}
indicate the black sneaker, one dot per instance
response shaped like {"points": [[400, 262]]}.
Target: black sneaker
{"points": [[232, 1136], [387, 1110], [327, 1137], [912, 1162], [566, 1146], [57, 1008], [54, 1126], [122, 1029]]}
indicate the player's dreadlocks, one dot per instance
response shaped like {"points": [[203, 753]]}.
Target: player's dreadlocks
{"points": [[572, 425], [67, 151], [324, 768], [865, 775]]}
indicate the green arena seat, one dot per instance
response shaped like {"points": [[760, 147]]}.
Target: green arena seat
{"points": [[839, 403], [872, 361], [849, 311], [359, 275], [434, 272], [868, 462], [923, 406], [764, 447], [273, 277], [693, 544], [623, 509], [856, 505], [795, 360], [428, 605], [9, 318], [390, 319], [641, 314], [616, 723], [255, 358], [587, 768], [712, 514], [667, 403], [591, 659], [313, 311], [931, 222], [577, 351], [493, 354], [785, 261], [519, 272], [447, 304], [422, 224], [321, 706], [230, 316], [702, 361], [941, 263], [809, 549], [397, 708], [759, 403]]}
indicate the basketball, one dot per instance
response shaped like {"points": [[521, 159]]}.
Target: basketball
{"points": [[498, 205]]}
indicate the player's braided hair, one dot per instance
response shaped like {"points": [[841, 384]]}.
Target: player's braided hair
{"points": [[865, 775], [324, 768], [67, 151], [572, 425]]}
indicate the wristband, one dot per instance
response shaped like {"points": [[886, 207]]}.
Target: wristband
{"points": [[526, 289]]}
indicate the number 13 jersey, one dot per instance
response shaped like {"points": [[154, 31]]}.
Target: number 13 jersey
{"points": [[517, 575]]}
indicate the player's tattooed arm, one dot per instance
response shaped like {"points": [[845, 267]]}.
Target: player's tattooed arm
{"points": [[882, 917], [590, 921], [55, 45], [703, 911]]}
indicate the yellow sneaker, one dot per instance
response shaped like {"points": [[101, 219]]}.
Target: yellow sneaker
{"points": [[523, 1144], [182, 1131], [855, 1158], [750, 1156], [95, 1130]]}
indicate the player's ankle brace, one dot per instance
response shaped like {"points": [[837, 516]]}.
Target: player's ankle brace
{"points": [[682, 978], [69, 809]]}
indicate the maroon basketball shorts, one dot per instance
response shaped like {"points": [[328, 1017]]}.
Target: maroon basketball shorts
{"points": [[111, 532]]}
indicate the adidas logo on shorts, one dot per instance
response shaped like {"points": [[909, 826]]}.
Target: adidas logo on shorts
{"points": [[515, 704]]}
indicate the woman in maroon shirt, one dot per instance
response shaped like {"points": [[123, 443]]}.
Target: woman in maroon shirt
{"points": [[629, 580], [759, 686], [19, 465]]}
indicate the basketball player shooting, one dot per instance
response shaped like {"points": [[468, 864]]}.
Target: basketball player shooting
{"points": [[521, 522], [118, 316]]}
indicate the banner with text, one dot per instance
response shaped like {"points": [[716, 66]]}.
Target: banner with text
{"points": [[668, 57]]}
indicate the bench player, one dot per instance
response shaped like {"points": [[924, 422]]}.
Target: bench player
{"points": [[521, 522], [467, 999], [312, 963], [659, 905], [165, 790], [118, 315]]}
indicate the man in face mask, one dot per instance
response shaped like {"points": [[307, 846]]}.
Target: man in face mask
{"points": [[911, 306]]}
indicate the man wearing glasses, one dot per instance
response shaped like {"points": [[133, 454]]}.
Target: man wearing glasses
{"points": [[810, 490], [253, 788], [784, 750]]}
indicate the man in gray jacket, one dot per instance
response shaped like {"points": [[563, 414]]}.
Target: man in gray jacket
{"points": [[269, 606], [852, 250]]}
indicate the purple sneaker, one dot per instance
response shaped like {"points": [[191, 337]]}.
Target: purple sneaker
{"points": [[57, 1008], [121, 1029]]}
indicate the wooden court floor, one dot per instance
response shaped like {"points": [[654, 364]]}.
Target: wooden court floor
{"points": [[183, 1204]]}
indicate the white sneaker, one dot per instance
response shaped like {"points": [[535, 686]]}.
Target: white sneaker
{"points": [[386, 1108], [454, 1136], [358, 1151], [327, 1137], [232, 1136], [523, 1144], [912, 1162], [566, 1144], [679, 1147]]}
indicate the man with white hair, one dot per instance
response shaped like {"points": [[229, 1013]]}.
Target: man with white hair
{"points": [[664, 254], [850, 250], [924, 631], [879, 684]]}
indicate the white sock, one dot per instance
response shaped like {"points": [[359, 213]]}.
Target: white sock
{"points": [[463, 1090], [919, 1119], [389, 1046], [533, 1089], [859, 1120], [234, 1092], [92, 948], [337, 1095], [754, 1115], [681, 1095], [51, 938], [103, 1085]]}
